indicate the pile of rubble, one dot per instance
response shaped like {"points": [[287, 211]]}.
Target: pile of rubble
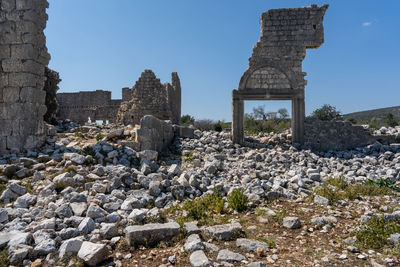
{"points": [[85, 197]]}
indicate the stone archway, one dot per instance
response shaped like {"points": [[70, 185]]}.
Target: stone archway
{"points": [[275, 68]]}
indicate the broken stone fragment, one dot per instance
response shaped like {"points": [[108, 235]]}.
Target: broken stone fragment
{"points": [[224, 231], [93, 254], [150, 234]]}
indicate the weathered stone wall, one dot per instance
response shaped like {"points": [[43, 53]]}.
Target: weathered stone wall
{"points": [[175, 98], [335, 135], [23, 58], [78, 107], [285, 35], [51, 88], [150, 97], [275, 67]]}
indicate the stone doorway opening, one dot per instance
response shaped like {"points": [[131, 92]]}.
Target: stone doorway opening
{"points": [[297, 109]]}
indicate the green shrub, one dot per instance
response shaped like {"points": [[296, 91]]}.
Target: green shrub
{"points": [[237, 200], [374, 234], [326, 113], [335, 189], [381, 182], [99, 137], [3, 258], [204, 209], [79, 134]]}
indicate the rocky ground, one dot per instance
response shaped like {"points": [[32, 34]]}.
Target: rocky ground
{"points": [[84, 198]]}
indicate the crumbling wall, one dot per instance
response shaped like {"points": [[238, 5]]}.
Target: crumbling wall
{"points": [[23, 58], [51, 88], [175, 98], [335, 135], [275, 67], [78, 107], [150, 97]]}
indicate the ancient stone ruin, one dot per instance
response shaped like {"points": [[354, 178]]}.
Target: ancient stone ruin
{"points": [[150, 97], [23, 58], [275, 68], [79, 107]]}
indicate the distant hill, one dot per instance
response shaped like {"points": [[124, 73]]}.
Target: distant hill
{"points": [[373, 113]]}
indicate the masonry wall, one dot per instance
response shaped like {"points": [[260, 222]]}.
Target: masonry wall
{"points": [[150, 97], [78, 107], [335, 135], [23, 58]]}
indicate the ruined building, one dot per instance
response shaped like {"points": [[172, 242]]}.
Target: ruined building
{"points": [[23, 58], [275, 68], [150, 97], [79, 107]]}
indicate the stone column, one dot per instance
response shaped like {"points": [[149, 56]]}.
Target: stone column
{"points": [[237, 119], [23, 58], [298, 117]]}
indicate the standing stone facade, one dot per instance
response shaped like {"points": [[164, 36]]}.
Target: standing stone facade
{"points": [[23, 58], [79, 107], [275, 68], [150, 97]]}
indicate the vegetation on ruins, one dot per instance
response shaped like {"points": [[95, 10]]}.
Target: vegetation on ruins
{"points": [[326, 113], [237, 200], [335, 189], [263, 121], [375, 233]]}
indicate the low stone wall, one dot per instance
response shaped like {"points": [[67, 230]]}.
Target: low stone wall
{"points": [[78, 107], [335, 135]]}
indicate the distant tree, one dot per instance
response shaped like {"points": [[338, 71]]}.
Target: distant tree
{"points": [[187, 120], [326, 113], [352, 120], [259, 113], [283, 113], [272, 115], [390, 120]]}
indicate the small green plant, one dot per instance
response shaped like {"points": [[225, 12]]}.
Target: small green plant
{"points": [[60, 187], [79, 134], [381, 182], [270, 241], [99, 137], [3, 258], [88, 150], [374, 234], [335, 189], [237, 200], [29, 187], [204, 209], [189, 157]]}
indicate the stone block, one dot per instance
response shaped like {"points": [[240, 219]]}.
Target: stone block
{"points": [[5, 51], [149, 234], [183, 131], [7, 5], [3, 80], [24, 51], [24, 4], [23, 79]]}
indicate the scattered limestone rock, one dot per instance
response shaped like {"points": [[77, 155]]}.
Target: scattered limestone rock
{"points": [[223, 231], [291, 222], [151, 233], [93, 254], [199, 259], [229, 256]]}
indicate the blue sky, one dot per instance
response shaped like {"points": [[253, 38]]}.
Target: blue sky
{"points": [[99, 44]]}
